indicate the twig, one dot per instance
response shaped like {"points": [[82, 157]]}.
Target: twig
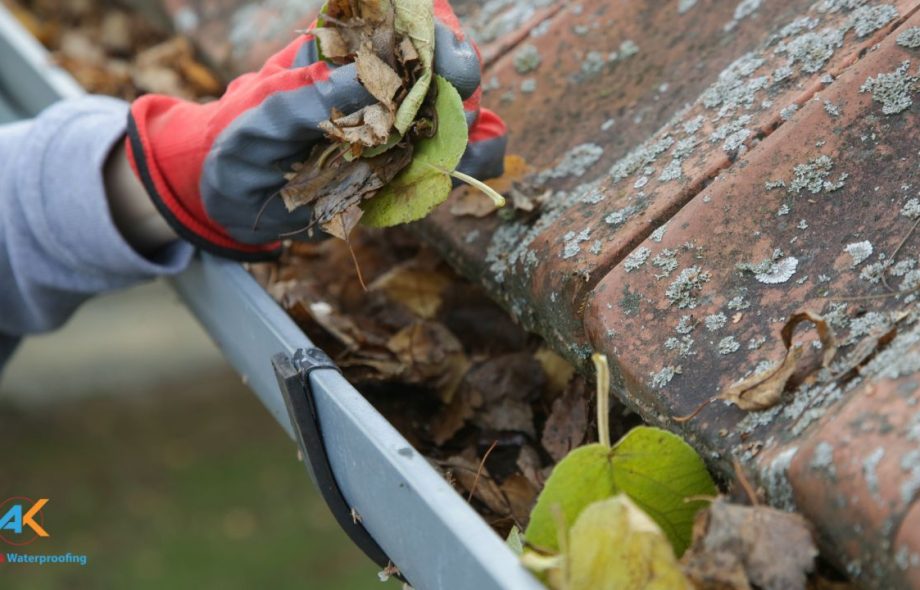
{"points": [[694, 413], [352, 252], [482, 465], [744, 482]]}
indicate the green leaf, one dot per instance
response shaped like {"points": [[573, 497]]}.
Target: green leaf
{"points": [[659, 471], [655, 468], [424, 183], [415, 20], [583, 477], [613, 544]]}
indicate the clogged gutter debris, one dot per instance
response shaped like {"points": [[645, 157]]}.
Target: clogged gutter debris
{"points": [[389, 162]]}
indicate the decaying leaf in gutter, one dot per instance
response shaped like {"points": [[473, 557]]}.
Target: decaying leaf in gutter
{"points": [[331, 184], [391, 43], [737, 547], [764, 390], [377, 77], [368, 127]]}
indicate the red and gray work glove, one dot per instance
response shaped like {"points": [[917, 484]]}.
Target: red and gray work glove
{"points": [[211, 169]]}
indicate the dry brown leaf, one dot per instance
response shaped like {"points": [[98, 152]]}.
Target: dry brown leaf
{"points": [[825, 333], [521, 495], [506, 415], [419, 290], [764, 390], [472, 203], [531, 467], [736, 547], [430, 353], [201, 79], [331, 43], [377, 77], [454, 416], [341, 225], [558, 370], [369, 126], [335, 184], [566, 425]]}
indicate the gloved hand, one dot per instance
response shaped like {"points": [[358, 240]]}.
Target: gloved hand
{"points": [[212, 169]]}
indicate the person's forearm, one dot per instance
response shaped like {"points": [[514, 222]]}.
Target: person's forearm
{"points": [[133, 212]]}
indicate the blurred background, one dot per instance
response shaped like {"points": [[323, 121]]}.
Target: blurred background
{"points": [[158, 462]]}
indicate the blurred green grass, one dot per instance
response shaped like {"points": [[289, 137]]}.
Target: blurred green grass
{"points": [[192, 487]]}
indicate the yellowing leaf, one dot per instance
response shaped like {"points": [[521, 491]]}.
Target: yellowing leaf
{"points": [[655, 468], [424, 183], [615, 545]]}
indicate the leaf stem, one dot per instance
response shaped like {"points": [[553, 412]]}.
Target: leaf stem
{"points": [[603, 398], [488, 190]]}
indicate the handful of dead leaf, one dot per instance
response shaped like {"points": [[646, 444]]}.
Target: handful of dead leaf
{"points": [[390, 162]]}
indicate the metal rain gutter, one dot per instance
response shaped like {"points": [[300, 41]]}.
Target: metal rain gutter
{"points": [[428, 530]]}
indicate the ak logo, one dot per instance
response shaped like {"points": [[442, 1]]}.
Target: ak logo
{"points": [[18, 524]]}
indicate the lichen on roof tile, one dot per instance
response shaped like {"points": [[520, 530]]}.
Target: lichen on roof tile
{"points": [[859, 252], [910, 38], [814, 176], [868, 19], [892, 89], [527, 58]]}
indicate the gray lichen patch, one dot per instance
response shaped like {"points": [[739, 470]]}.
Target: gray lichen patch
{"points": [[683, 291], [911, 209], [639, 157], [831, 109], [527, 59], [575, 162], [744, 9], [658, 234], [870, 467], [823, 459], [728, 345], [892, 89], [684, 6], [628, 49], [666, 260], [859, 251], [779, 271], [910, 38], [636, 259], [573, 241], [664, 376], [776, 480], [910, 463], [715, 321], [814, 176], [868, 19], [812, 50]]}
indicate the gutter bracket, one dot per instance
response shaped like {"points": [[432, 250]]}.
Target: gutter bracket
{"points": [[293, 375]]}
